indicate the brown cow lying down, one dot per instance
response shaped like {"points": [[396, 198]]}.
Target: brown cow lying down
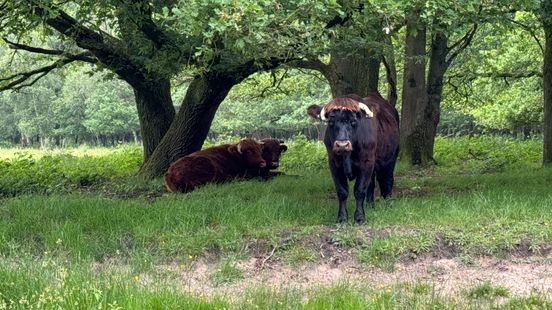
{"points": [[214, 165]]}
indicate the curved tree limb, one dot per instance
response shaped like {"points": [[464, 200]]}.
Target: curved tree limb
{"points": [[511, 75], [151, 30], [85, 57], [530, 30], [311, 64], [32, 49], [461, 44], [29, 78], [466, 78], [106, 48]]}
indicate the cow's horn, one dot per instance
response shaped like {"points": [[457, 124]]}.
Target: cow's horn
{"points": [[323, 114], [366, 109]]}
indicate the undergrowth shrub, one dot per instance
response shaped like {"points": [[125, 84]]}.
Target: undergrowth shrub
{"points": [[113, 170], [24, 174], [303, 154], [486, 154]]}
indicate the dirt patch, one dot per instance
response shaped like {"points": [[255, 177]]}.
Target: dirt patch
{"points": [[526, 248], [448, 277], [256, 247], [329, 250], [444, 247], [528, 269]]}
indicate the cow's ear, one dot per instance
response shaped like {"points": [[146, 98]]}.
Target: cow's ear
{"points": [[283, 148], [234, 149], [364, 108], [314, 111]]}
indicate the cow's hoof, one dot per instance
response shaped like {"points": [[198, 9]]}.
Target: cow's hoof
{"points": [[388, 202], [341, 220], [360, 219]]}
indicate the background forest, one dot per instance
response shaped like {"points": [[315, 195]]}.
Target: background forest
{"points": [[494, 87]]}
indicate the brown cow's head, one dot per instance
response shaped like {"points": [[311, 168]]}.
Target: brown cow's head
{"points": [[250, 150], [272, 149], [343, 115]]}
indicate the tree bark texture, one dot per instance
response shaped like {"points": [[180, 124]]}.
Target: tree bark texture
{"points": [[155, 113], [546, 18], [353, 72], [438, 65], [414, 96]]}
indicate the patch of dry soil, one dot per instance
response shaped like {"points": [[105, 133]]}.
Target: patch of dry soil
{"points": [[449, 276]]}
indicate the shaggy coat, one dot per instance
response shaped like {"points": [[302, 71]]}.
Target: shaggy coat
{"points": [[214, 165], [272, 149], [362, 141]]}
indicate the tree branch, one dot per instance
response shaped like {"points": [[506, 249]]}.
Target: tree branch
{"points": [[310, 64], [103, 46], [530, 30], [32, 49], [340, 21], [511, 75], [150, 29], [17, 81], [461, 44], [276, 82], [86, 57], [391, 74], [498, 75]]}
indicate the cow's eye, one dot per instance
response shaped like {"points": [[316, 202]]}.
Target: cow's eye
{"points": [[353, 123], [331, 124]]}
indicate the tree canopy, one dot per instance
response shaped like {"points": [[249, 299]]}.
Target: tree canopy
{"points": [[480, 59]]}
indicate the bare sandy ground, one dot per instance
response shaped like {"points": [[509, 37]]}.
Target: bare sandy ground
{"points": [[448, 276]]}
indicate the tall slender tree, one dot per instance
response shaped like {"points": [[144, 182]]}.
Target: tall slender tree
{"points": [[546, 18]]}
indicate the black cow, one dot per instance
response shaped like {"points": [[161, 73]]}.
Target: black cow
{"points": [[362, 140]]}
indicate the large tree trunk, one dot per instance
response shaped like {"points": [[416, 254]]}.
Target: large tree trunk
{"points": [[547, 80], [414, 92], [191, 125], [155, 112], [353, 72]]}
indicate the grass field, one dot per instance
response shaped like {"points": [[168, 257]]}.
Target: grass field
{"points": [[473, 232]]}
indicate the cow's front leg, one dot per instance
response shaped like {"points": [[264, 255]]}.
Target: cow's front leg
{"points": [[361, 186], [370, 191], [342, 191]]}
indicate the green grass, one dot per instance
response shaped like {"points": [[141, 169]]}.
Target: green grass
{"points": [[299, 254], [487, 291], [227, 272], [68, 243]]}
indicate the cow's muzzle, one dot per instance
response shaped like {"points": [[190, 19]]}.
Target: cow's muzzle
{"points": [[262, 164], [342, 146]]}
